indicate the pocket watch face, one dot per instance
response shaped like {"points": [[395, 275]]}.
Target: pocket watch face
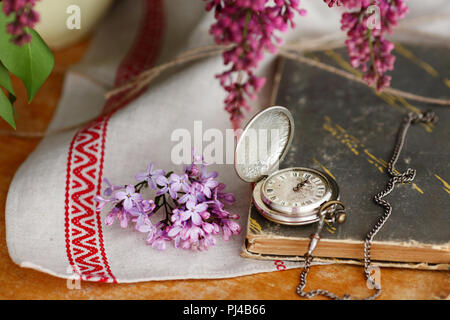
{"points": [[295, 189]]}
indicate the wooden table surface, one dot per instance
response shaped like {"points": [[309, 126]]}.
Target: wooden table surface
{"points": [[19, 283]]}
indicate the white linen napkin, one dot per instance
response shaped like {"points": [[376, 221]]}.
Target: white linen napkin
{"points": [[51, 223]]}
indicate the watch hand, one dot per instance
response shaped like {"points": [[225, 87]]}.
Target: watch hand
{"points": [[299, 185]]}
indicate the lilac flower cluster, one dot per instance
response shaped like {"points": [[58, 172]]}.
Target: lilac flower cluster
{"points": [[25, 17], [332, 3], [194, 204], [249, 26], [368, 48]]}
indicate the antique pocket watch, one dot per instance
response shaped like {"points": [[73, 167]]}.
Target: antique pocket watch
{"points": [[292, 196]]}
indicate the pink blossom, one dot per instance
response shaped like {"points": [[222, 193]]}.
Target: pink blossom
{"points": [[250, 27], [24, 17], [229, 228], [145, 225], [368, 48], [118, 214]]}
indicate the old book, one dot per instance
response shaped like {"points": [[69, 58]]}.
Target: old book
{"points": [[347, 130]]}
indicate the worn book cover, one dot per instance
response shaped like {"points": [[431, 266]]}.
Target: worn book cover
{"points": [[348, 130]]}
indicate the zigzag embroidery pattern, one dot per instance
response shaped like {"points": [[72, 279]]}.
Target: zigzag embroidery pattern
{"points": [[84, 243]]}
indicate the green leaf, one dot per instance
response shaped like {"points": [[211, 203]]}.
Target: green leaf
{"points": [[5, 80], [6, 110], [31, 62]]}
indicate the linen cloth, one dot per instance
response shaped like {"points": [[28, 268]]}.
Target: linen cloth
{"points": [[51, 223]]}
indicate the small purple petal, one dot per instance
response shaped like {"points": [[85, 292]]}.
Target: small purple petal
{"points": [[109, 220], [163, 191], [185, 215], [201, 207], [127, 203], [142, 176], [174, 231], [130, 189], [162, 181], [196, 218], [173, 193], [120, 195]]}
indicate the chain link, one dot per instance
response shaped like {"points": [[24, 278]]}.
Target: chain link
{"points": [[396, 177]]}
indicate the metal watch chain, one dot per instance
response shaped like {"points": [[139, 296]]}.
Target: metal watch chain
{"points": [[325, 216]]}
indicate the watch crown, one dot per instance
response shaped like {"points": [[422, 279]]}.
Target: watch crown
{"points": [[341, 217]]}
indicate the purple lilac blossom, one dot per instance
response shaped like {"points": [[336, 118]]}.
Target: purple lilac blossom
{"points": [[194, 204], [177, 183], [111, 188], [150, 176], [128, 197]]}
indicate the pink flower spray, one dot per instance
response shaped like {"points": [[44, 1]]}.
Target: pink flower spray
{"points": [[249, 26], [366, 43], [24, 17]]}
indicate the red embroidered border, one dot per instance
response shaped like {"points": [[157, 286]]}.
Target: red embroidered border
{"points": [[83, 226]]}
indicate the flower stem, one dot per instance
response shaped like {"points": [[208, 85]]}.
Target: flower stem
{"points": [[372, 53], [138, 187], [248, 16], [168, 213]]}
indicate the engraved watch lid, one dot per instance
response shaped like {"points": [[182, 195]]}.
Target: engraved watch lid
{"points": [[263, 143]]}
